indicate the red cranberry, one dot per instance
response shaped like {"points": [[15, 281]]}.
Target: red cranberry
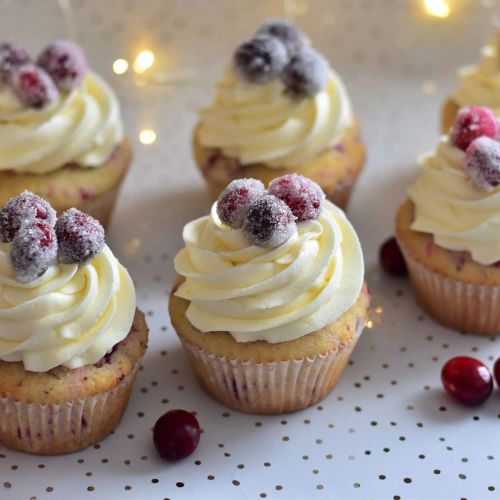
{"points": [[482, 163], [34, 87], [303, 196], [24, 207], [11, 57], [472, 123], [80, 236], [33, 250], [391, 258], [467, 380], [176, 434], [65, 63], [269, 222], [234, 201], [496, 371]]}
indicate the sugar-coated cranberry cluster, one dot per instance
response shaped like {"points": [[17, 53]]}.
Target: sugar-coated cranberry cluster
{"points": [[60, 67], [38, 238], [280, 50], [268, 217], [476, 131]]}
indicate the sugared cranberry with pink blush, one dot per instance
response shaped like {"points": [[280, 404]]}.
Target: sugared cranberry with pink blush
{"points": [[234, 201], [12, 56], [33, 250], [65, 63], [302, 195], [34, 87], [482, 163], [80, 237], [471, 123], [176, 434], [24, 208], [467, 380], [391, 258], [269, 222]]}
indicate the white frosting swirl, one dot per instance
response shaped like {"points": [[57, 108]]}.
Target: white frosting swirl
{"points": [[480, 85], [276, 294], [82, 127], [72, 315], [448, 205], [261, 124]]}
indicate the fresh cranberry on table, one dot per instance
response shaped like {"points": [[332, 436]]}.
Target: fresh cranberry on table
{"points": [[391, 258], [467, 380], [176, 434]]}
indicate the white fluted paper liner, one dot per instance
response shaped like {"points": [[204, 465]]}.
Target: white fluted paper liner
{"points": [[464, 306], [269, 387], [51, 429]]}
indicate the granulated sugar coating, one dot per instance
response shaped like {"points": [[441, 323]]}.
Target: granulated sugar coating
{"points": [[21, 209], [269, 222], [302, 195], [33, 250], [472, 123], [80, 237], [34, 87], [290, 36], [12, 56], [483, 163], [234, 201]]}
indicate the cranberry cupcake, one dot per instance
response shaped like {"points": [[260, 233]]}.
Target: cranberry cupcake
{"points": [[280, 108], [61, 132], [478, 85], [270, 301], [448, 229], [70, 335]]}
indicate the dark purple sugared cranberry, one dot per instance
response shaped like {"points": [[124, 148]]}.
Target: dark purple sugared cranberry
{"points": [[12, 56], [482, 163], [290, 36], [176, 434], [234, 201], [472, 123], [260, 59], [467, 380], [80, 237], [305, 75], [496, 371], [302, 195], [33, 250], [21, 209], [33, 86], [391, 258], [65, 63], [269, 222]]}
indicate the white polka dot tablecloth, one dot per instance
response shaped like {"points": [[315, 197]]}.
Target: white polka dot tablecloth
{"points": [[388, 431]]}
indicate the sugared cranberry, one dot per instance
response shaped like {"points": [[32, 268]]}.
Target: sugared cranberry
{"points": [[33, 250], [269, 222], [24, 208], [303, 196], [234, 201], [467, 380], [176, 434], [290, 36], [472, 123], [482, 163], [33, 86], [260, 59], [12, 56], [80, 236], [391, 258], [65, 63]]}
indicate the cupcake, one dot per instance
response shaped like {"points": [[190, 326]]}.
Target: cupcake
{"points": [[478, 85], [70, 335], [449, 227], [270, 299], [280, 108], [61, 133]]}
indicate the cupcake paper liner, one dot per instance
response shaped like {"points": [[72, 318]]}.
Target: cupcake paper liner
{"points": [[269, 387], [464, 306], [65, 427]]}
